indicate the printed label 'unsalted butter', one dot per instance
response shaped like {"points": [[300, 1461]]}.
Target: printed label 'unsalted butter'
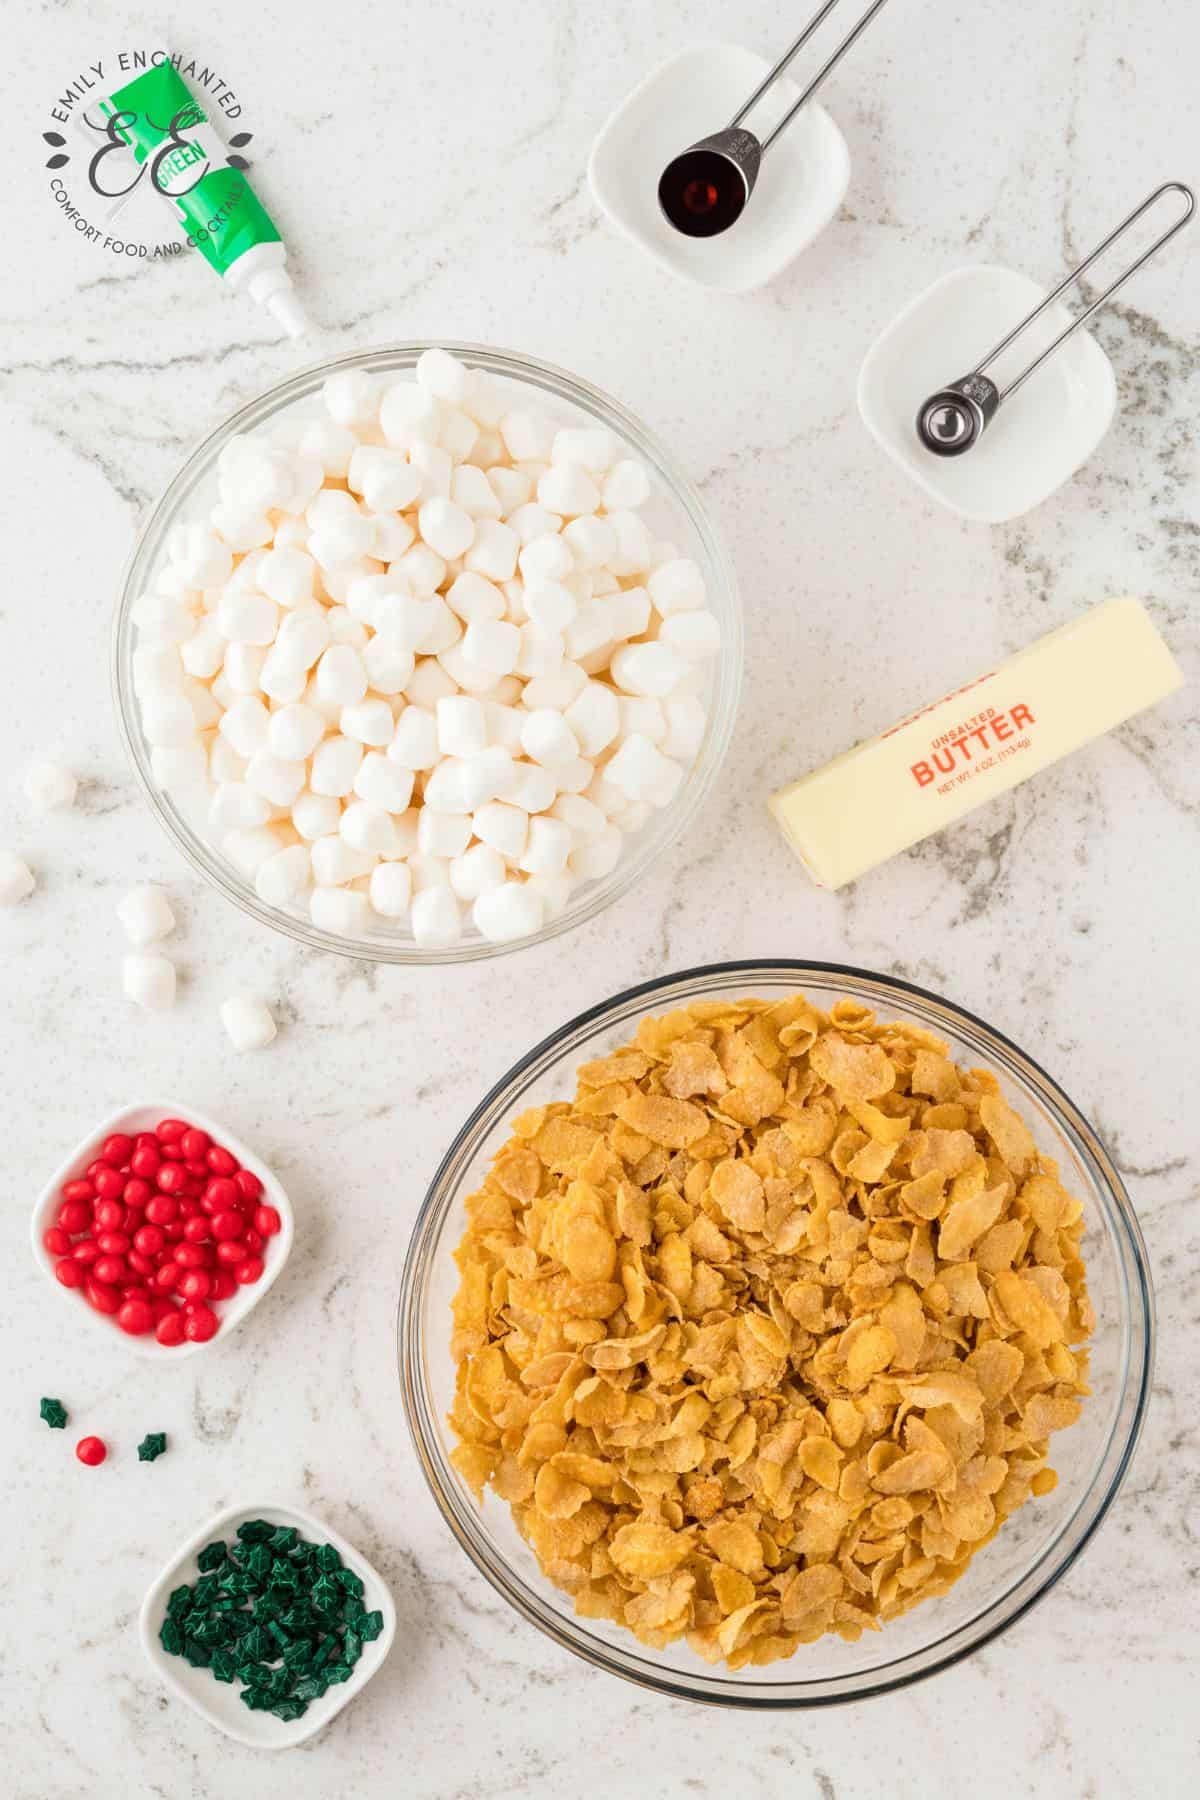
{"points": [[975, 743]]}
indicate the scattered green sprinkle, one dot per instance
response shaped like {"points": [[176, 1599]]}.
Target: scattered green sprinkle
{"points": [[54, 1413], [151, 1446]]}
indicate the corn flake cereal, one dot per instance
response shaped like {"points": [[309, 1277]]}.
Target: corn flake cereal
{"points": [[766, 1333]]}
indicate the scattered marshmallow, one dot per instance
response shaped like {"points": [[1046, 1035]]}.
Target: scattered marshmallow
{"points": [[145, 915], [149, 981], [50, 788], [248, 1022], [16, 879]]}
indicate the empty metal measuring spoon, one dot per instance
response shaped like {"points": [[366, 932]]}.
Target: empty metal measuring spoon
{"points": [[704, 189], [956, 417]]}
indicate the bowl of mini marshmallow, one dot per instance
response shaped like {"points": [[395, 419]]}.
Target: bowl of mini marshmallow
{"points": [[427, 654]]}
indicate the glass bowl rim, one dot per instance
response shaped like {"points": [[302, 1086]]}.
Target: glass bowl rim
{"points": [[535, 372], [1056, 1558]]}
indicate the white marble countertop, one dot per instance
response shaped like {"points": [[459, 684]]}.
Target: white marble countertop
{"points": [[427, 163]]}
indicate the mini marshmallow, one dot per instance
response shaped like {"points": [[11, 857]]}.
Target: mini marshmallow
{"points": [[549, 603], [386, 479], [461, 725], [534, 525], [666, 786], [368, 829], [533, 788], [179, 766], [206, 703], [224, 763], [528, 434], [594, 717], [241, 527], [442, 834], [341, 545], [626, 486], [629, 612], [393, 536], [512, 487], [408, 415], [414, 742], [591, 541], [504, 724], [343, 912], [546, 738], [329, 507], [295, 732], [404, 621], [248, 1022], [648, 670], [200, 556], [590, 630], [436, 921], [633, 546], [442, 374], [445, 789], [247, 618], [474, 598], [291, 533], [503, 826], [476, 871], [492, 644], [695, 636], [553, 891], [335, 862], [342, 675], [458, 433], [389, 670], [315, 815], [541, 650], [249, 848], [556, 691], [337, 582], [149, 981], [284, 678], [245, 724], [145, 915], [49, 788], [234, 806], [596, 856], [287, 577], [547, 847], [157, 669], [366, 597], [369, 722], [443, 629], [423, 570], [569, 490], [676, 586], [503, 914], [304, 635], [428, 871], [335, 764], [390, 890], [580, 816], [494, 551], [164, 617], [283, 877], [351, 397], [16, 879], [574, 776], [644, 717], [330, 444], [638, 769], [204, 652], [487, 775], [686, 720], [592, 447], [487, 450], [471, 490], [276, 780], [464, 673], [434, 467], [429, 684]]}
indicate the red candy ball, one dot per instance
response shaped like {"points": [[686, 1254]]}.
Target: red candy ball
{"points": [[117, 1149], [149, 1240], [110, 1270], [113, 1243], [220, 1161], [197, 1229], [171, 1177], [195, 1284], [109, 1215], [137, 1192], [166, 1277], [192, 1256], [69, 1272], [231, 1252], [86, 1250], [248, 1271], [75, 1215], [200, 1324], [105, 1299], [248, 1185], [136, 1317], [141, 1265], [162, 1210], [109, 1183], [145, 1162], [223, 1284], [253, 1241], [267, 1221], [195, 1143], [168, 1130], [169, 1328], [227, 1225], [79, 1190], [92, 1451], [56, 1240]]}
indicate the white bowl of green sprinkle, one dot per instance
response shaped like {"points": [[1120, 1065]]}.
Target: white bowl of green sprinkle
{"points": [[266, 1622]]}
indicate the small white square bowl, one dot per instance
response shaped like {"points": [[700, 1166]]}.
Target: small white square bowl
{"points": [[218, 1701], [1039, 437], [145, 1117], [801, 184]]}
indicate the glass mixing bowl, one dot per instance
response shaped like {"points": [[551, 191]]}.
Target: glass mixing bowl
{"points": [[1033, 1547], [674, 512]]}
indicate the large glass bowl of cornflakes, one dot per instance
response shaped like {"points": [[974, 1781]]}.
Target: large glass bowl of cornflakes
{"points": [[775, 1334]]}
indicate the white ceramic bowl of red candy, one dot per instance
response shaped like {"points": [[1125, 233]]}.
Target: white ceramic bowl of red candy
{"points": [[162, 1230]]}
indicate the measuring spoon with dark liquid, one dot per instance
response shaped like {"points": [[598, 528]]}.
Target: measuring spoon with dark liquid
{"points": [[704, 190]]}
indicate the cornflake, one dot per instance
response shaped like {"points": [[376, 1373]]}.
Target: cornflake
{"points": [[765, 1334]]}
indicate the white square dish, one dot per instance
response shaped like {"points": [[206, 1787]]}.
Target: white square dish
{"points": [[144, 1117], [802, 182], [1040, 436], [219, 1702]]}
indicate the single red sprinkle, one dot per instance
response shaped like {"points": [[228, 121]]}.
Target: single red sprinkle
{"points": [[92, 1451]]}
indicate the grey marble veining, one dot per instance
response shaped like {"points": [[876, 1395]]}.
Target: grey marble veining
{"points": [[426, 164]]}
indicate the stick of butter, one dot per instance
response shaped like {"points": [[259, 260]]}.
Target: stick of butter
{"points": [[896, 789]]}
